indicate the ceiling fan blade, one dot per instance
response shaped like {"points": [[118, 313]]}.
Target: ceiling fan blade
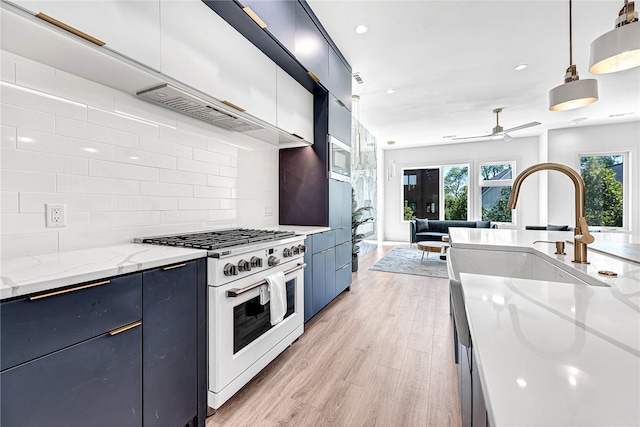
{"points": [[528, 125], [474, 137]]}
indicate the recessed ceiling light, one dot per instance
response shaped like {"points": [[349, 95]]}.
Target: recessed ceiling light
{"points": [[390, 91], [390, 142], [520, 67], [577, 120], [361, 29], [620, 114], [449, 136]]}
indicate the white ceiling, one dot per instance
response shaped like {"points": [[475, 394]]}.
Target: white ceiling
{"points": [[451, 63]]}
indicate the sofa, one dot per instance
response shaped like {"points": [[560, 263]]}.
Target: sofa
{"points": [[434, 230]]}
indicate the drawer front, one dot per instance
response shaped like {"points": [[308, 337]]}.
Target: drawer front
{"points": [[96, 382], [343, 254], [343, 235], [323, 241], [343, 278], [34, 327]]}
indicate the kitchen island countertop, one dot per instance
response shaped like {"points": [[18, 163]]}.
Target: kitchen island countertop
{"points": [[553, 353], [29, 274]]}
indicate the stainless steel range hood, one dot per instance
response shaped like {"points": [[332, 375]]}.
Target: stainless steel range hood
{"points": [[187, 103]]}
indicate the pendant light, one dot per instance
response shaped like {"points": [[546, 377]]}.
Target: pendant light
{"points": [[574, 93], [619, 49]]}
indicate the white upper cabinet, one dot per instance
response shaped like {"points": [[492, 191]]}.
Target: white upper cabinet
{"points": [[202, 50], [294, 107], [130, 28]]}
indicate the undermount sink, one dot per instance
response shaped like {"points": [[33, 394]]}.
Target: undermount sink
{"points": [[521, 265]]}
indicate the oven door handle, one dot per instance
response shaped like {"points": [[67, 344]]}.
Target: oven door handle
{"points": [[235, 292]]}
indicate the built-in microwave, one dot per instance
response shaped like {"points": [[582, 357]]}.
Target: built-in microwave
{"points": [[339, 159]]}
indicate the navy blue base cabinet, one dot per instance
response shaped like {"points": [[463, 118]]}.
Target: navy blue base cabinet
{"points": [[125, 351]]}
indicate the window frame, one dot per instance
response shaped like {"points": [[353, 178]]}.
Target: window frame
{"points": [[494, 183], [626, 193], [441, 194]]}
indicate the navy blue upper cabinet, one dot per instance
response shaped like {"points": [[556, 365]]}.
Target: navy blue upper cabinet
{"points": [[311, 48], [339, 79], [339, 120], [280, 18]]}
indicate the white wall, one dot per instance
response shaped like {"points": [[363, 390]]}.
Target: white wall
{"points": [[566, 145], [523, 150], [119, 177]]}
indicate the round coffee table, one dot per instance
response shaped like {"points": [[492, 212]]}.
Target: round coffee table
{"points": [[434, 247]]}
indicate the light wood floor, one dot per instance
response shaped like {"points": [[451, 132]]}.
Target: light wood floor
{"points": [[380, 355]]}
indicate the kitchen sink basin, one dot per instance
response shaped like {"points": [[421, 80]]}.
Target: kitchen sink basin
{"points": [[516, 264]]}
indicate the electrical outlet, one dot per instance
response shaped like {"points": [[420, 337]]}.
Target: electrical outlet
{"points": [[56, 214], [268, 210]]}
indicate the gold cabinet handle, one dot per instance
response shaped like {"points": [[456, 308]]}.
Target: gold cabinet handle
{"points": [[234, 106], [297, 136], [255, 17], [70, 29], [64, 291], [171, 267], [314, 77], [125, 328], [342, 103]]}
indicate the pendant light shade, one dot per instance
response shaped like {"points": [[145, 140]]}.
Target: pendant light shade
{"points": [[574, 93], [619, 49]]}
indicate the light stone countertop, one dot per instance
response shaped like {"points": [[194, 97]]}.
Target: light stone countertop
{"points": [[305, 229], [555, 354], [29, 274]]}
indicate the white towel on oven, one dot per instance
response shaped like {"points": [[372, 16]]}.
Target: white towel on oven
{"points": [[278, 294], [264, 294]]}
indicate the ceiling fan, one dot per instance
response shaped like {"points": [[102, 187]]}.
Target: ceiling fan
{"points": [[498, 130]]}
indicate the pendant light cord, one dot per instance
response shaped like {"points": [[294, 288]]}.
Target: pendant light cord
{"points": [[570, 37]]}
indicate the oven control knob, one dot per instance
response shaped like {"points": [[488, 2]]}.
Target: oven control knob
{"points": [[302, 248], [256, 262], [295, 250], [244, 265], [273, 261], [230, 270], [286, 252]]}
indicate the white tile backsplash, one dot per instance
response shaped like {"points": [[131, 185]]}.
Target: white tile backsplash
{"points": [[114, 169], [25, 118], [24, 160], [9, 201], [94, 132], [7, 136], [124, 168], [27, 181], [51, 143], [39, 101]]}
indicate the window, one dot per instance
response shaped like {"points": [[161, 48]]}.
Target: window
{"points": [[439, 192], [495, 188], [603, 177]]}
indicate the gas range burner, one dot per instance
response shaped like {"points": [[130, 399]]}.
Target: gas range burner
{"points": [[211, 240]]}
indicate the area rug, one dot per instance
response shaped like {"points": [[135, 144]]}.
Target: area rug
{"points": [[406, 260]]}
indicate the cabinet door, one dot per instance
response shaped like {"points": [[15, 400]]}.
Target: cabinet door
{"points": [[339, 79], [339, 121], [464, 383], [202, 50], [312, 50], [339, 205], [294, 107], [131, 28], [96, 381], [318, 282], [330, 275], [479, 412], [169, 345], [280, 17], [308, 280]]}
